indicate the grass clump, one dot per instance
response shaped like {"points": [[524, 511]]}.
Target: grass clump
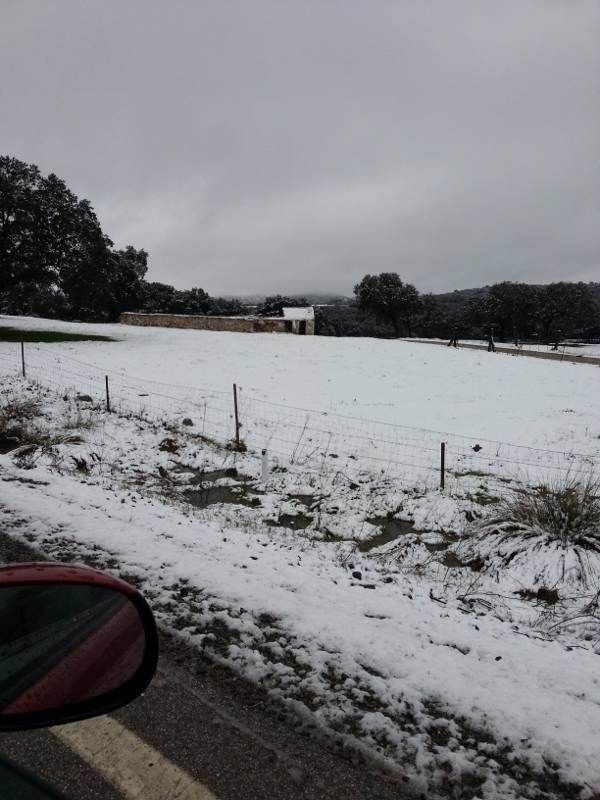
{"points": [[14, 412], [567, 510], [546, 536], [19, 432], [15, 415]]}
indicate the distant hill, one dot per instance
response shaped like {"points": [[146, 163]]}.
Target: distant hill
{"points": [[313, 298], [450, 301], [457, 300]]}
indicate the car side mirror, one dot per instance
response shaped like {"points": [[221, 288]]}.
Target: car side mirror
{"points": [[74, 643]]}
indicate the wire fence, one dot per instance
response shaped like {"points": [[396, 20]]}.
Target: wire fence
{"points": [[308, 439]]}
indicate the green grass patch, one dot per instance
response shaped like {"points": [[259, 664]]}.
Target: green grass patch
{"points": [[19, 335]]}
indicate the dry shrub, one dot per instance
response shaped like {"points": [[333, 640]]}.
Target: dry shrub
{"points": [[14, 412], [15, 416], [78, 419], [19, 433], [566, 509], [542, 537]]}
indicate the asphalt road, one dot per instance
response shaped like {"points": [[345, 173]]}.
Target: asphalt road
{"points": [[198, 733], [567, 358]]}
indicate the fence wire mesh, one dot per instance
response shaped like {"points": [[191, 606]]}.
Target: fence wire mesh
{"points": [[308, 439]]}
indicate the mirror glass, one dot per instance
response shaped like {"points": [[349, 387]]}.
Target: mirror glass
{"points": [[63, 643]]}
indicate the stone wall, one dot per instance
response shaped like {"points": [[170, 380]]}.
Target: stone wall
{"points": [[203, 323], [308, 326]]}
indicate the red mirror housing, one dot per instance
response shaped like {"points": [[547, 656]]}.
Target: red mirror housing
{"points": [[74, 643]]}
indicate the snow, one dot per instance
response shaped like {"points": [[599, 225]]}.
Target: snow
{"points": [[298, 313], [445, 673], [468, 393], [391, 640]]}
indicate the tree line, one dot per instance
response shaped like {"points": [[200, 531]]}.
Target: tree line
{"points": [[55, 261], [385, 306]]}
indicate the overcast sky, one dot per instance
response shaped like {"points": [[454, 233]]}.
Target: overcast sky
{"points": [[294, 145]]}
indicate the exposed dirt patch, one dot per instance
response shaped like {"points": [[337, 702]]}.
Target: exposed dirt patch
{"points": [[543, 594], [450, 559]]}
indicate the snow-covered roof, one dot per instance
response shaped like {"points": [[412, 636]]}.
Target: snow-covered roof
{"points": [[299, 313]]}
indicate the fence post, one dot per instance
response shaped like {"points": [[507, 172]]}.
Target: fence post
{"points": [[23, 357], [107, 394], [237, 419], [443, 466]]}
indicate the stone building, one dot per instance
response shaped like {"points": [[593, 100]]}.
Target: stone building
{"points": [[300, 321]]}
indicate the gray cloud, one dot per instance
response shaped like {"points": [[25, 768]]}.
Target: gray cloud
{"points": [[290, 146]]}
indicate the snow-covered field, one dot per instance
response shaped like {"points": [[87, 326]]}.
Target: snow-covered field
{"points": [[402, 620], [474, 394]]}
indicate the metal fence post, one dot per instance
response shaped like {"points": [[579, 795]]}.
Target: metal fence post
{"points": [[23, 357], [443, 466], [237, 419], [107, 394]]}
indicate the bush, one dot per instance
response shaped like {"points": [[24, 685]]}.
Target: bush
{"points": [[15, 411], [548, 536], [566, 510], [20, 435]]}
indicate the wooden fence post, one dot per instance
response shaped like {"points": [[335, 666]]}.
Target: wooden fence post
{"points": [[23, 357], [443, 466], [237, 418], [107, 394]]}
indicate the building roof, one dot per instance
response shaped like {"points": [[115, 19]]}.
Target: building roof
{"points": [[299, 313]]}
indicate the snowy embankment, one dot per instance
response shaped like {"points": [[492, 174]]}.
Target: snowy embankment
{"points": [[442, 693], [350, 597]]}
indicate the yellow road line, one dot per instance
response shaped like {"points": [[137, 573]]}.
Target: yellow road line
{"points": [[137, 770]]}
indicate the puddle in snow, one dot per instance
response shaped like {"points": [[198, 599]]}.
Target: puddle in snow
{"points": [[209, 495], [307, 500], [8, 443], [296, 522], [209, 476], [391, 529]]}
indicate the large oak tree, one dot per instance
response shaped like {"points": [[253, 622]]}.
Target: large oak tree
{"points": [[389, 300], [54, 257]]}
